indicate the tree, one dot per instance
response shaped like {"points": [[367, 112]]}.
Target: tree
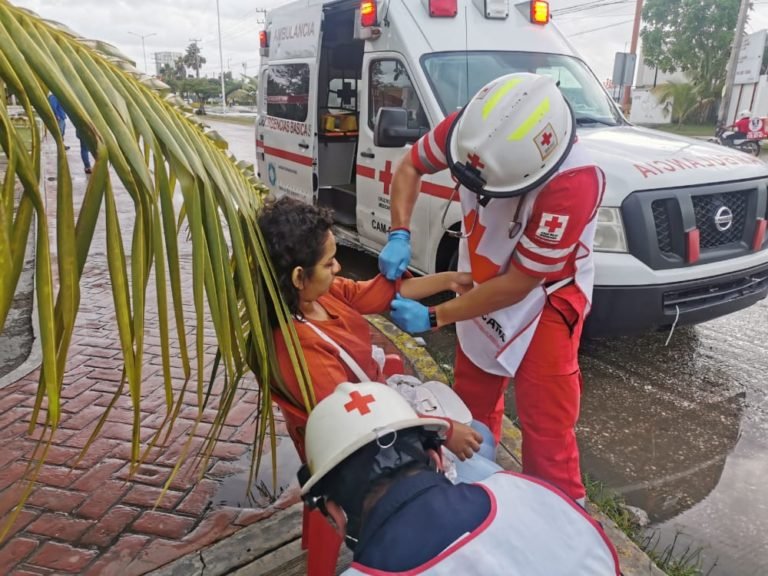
{"points": [[692, 36], [193, 58], [155, 151]]}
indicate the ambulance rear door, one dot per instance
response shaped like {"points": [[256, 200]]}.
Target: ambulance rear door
{"points": [[288, 133]]}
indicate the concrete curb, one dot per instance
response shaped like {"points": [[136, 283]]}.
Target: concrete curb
{"points": [[35, 357], [258, 549]]}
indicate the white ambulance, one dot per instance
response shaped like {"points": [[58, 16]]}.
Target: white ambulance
{"points": [[681, 234]]}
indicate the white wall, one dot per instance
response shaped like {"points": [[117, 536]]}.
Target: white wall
{"points": [[647, 110]]}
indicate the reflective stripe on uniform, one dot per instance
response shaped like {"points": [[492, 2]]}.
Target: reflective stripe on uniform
{"points": [[526, 243], [536, 266]]}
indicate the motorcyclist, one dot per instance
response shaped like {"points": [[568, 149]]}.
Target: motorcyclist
{"points": [[740, 128]]}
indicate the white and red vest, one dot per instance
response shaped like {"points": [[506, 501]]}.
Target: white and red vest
{"points": [[498, 341], [532, 530]]}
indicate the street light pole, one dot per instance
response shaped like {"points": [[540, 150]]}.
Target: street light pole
{"points": [[143, 50], [633, 51], [221, 63]]}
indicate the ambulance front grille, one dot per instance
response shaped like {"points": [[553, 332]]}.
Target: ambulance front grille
{"points": [[663, 226], [706, 208]]}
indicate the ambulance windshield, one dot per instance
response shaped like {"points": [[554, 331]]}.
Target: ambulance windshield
{"points": [[456, 76]]}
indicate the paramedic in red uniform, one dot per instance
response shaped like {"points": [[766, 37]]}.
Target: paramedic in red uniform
{"points": [[529, 194]]}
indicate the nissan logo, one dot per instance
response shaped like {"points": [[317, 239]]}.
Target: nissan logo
{"points": [[723, 218]]}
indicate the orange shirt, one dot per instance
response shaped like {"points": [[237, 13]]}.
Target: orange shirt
{"points": [[345, 303]]}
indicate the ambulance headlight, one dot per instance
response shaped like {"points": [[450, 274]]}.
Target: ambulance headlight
{"points": [[609, 235]]}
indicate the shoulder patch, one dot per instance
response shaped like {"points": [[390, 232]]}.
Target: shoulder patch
{"points": [[551, 227]]}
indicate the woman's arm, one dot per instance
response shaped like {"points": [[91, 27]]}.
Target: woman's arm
{"points": [[417, 288]]}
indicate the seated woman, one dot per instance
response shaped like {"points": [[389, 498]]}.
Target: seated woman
{"points": [[328, 309]]}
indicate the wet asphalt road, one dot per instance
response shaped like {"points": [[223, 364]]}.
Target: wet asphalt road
{"points": [[680, 431]]}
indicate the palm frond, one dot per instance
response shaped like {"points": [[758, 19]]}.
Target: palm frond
{"points": [[154, 151]]}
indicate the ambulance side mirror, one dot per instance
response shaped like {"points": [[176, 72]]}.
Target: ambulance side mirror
{"points": [[391, 129]]}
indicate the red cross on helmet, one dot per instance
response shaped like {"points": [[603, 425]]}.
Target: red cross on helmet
{"points": [[512, 136], [353, 416]]}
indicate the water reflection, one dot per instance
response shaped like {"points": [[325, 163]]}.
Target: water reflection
{"points": [[236, 491], [655, 426]]}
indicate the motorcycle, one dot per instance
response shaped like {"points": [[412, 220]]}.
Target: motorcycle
{"points": [[748, 145]]}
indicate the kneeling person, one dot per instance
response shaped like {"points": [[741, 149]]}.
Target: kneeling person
{"points": [[374, 470]]}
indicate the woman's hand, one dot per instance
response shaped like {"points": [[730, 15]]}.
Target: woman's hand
{"points": [[461, 282], [464, 441]]}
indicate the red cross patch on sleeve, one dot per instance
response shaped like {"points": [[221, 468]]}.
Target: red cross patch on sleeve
{"points": [[551, 227]]}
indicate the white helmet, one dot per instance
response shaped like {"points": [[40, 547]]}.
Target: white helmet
{"points": [[512, 136], [353, 416], [745, 114]]}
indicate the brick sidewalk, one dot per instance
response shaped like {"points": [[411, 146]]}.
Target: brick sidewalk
{"points": [[90, 518]]}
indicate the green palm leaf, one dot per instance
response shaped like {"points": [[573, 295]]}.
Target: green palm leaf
{"points": [[141, 140]]}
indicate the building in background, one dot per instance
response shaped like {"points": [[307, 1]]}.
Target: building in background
{"points": [[163, 58]]}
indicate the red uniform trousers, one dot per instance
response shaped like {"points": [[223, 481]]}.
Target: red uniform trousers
{"points": [[547, 393]]}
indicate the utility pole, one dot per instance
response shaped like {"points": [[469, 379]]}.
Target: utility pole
{"points": [[221, 63], [733, 62], [143, 50], [197, 55], [633, 51], [245, 69]]}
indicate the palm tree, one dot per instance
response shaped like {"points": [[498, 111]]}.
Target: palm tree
{"points": [[684, 98], [154, 150], [193, 59]]}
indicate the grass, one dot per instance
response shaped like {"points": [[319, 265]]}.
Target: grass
{"points": [[231, 119], [670, 559], [693, 130]]}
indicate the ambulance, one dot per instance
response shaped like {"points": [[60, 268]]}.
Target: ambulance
{"points": [[346, 87]]}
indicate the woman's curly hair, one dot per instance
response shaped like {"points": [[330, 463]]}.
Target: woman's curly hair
{"points": [[295, 234]]}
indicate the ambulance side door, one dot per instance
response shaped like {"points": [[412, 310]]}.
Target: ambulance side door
{"points": [[387, 82], [288, 130]]}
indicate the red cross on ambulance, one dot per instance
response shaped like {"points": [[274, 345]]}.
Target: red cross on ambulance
{"points": [[385, 176]]}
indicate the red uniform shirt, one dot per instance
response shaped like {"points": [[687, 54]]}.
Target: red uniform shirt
{"points": [[548, 246], [742, 125]]}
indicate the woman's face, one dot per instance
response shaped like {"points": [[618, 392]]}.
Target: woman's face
{"points": [[320, 278]]}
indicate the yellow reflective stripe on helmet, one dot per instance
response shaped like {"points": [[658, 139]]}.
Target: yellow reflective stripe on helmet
{"points": [[533, 119], [493, 101]]}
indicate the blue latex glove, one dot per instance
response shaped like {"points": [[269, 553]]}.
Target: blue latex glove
{"points": [[394, 259], [410, 315]]}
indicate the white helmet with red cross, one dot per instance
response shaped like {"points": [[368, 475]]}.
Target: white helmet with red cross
{"points": [[512, 136], [353, 416]]}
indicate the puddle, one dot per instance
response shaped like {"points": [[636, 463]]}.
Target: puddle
{"points": [[234, 490]]}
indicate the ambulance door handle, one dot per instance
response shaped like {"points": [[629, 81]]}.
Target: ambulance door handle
{"points": [[367, 154], [304, 145]]}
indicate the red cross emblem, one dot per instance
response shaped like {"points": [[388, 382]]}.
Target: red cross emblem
{"points": [[385, 176], [359, 402], [546, 139], [553, 224], [475, 162]]}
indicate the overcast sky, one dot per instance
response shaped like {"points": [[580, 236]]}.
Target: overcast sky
{"points": [[598, 34]]}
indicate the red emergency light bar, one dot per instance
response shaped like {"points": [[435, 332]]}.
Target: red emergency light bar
{"points": [[540, 12], [368, 13], [443, 8]]}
